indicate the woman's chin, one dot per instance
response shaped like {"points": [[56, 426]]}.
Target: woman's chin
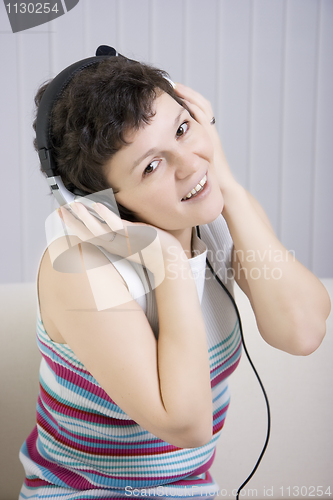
{"points": [[212, 209]]}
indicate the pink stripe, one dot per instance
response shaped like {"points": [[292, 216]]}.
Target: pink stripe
{"points": [[223, 410], [82, 414], [36, 483], [217, 427], [200, 470], [204, 468], [143, 451], [94, 440], [73, 480], [49, 348], [226, 373], [218, 367], [69, 478], [79, 381]]}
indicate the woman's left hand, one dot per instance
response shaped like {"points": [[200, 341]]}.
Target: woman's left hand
{"points": [[203, 113]]}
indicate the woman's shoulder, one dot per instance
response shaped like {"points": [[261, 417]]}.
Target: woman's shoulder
{"points": [[65, 278]]}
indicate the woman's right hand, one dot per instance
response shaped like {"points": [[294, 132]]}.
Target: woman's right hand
{"points": [[138, 242]]}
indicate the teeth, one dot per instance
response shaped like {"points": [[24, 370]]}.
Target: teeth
{"points": [[197, 188]]}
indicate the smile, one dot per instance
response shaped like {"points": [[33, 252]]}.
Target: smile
{"points": [[196, 190]]}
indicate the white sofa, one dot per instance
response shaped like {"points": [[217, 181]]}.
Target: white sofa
{"points": [[300, 453]]}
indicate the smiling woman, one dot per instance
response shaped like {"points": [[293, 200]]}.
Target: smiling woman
{"points": [[134, 378]]}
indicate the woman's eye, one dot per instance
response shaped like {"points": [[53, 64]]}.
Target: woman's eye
{"points": [[182, 129], [151, 167]]}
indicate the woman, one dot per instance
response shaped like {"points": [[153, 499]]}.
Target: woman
{"points": [[133, 381]]}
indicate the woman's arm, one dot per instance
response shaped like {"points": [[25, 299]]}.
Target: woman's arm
{"points": [[163, 385], [290, 304]]}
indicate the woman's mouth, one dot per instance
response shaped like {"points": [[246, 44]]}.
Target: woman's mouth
{"points": [[196, 190]]}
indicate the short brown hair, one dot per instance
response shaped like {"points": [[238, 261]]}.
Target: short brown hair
{"points": [[92, 116]]}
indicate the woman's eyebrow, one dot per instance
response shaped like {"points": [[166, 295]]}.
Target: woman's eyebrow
{"points": [[145, 155], [153, 150]]}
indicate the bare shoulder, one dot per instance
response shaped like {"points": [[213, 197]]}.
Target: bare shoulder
{"points": [[64, 285]]}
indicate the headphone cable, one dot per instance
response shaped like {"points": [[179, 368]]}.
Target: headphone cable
{"points": [[255, 372]]}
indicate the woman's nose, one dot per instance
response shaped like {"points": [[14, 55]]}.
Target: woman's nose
{"points": [[186, 163]]}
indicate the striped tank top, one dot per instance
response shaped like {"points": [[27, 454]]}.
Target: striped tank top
{"points": [[85, 447]]}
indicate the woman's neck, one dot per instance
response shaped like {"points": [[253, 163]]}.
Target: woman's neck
{"points": [[184, 236]]}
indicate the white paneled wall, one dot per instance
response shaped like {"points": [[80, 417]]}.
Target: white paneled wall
{"points": [[266, 66]]}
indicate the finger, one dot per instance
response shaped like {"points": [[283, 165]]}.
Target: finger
{"points": [[193, 97], [96, 227], [112, 220], [199, 115], [76, 226]]}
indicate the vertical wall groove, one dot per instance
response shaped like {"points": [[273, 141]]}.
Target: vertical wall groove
{"points": [[315, 136], [185, 8], [86, 27], [53, 51], [22, 223], [282, 120], [217, 100], [152, 31], [50, 51], [116, 14], [119, 18], [249, 165]]}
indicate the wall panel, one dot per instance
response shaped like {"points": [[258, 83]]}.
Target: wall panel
{"points": [[67, 38], [134, 27], [234, 39], [11, 202], [101, 25], [35, 194], [322, 236], [200, 47], [298, 127], [266, 105], [169, 37]]}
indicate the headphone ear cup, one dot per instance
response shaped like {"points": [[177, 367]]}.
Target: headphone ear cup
{"points": [[106, 197], [78, 192]]}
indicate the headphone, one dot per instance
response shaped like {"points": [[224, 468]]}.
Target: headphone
{"points": [[65, 197]]}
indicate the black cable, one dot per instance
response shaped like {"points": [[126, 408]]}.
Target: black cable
{"points": [[255, 371]]}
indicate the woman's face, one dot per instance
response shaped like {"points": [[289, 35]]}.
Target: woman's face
{"points": [[165, 161]]}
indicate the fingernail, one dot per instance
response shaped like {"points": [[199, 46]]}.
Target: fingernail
{"points": [[97, 206], [74, 207], [60, 213]]}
